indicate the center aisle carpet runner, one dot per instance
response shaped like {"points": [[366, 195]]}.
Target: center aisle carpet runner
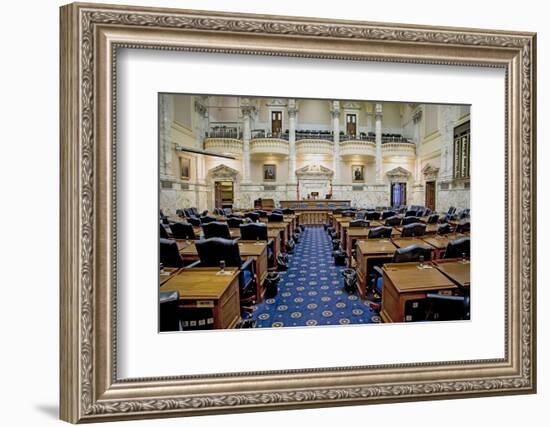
{"points": [[311, 291]]}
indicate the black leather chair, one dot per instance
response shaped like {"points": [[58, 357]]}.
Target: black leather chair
{"points": [[372, 216], [233, 222], [361, 215], [182, 230], [411, 212], [432, 219], [164, 231], [277, 210], [463, 227], [262, 214], [380, 232], [288, 211], [207, 219], [194, 221], [170, 254], [392, 221], [180, 213], [357, 223], [410, 220], [253, 216], [413, 230], [348, 213], [275, 217], [212, 251], [163, 218], [413, 253], [387, 214], [254, 231], [169, 311], [216, 229], [443, 228], [458, 248]]}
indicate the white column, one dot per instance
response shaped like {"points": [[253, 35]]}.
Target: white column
{"points": [[292, 110], [378, 132], [166, 118], [447, 139], [336, 140], [247, 111], [201, 127]]}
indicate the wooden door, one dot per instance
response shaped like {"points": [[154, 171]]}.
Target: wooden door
{"points": [[398, 194], [276, 122], [430, 195], [223, 191], [351, 124]]}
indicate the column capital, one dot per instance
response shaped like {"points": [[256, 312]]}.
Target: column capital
{"points": [[292, 111], [378, 110], [247, 110]]}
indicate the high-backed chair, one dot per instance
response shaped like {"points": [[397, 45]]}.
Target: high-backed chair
{"points": [[182, 230], [392, 221], [277, 211], [432, 219], [414, 229], [458, 248], [380, 232], [372, 216], [164, 231], [410, 220], [195, 222], [348, 213], [411, 212], [413, 253], [253, 231], [463, 227], [443, 228], [216, 229], [253, 216], [212, 251], [261, 213], [180, 213], [356, 223], [288, 211], [233, 222], [170, 254], [275, 217], [207, 219], [387, 214]]}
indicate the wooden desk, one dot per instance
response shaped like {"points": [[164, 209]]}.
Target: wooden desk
{"points": [[405, 281], [457, 271], [282, 229], [371, 253], [256, 250], [403, 242], [202, 287], [440, 243], [166, 274]]}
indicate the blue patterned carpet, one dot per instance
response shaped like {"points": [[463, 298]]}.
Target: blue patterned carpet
{"points": [[311, 291]]}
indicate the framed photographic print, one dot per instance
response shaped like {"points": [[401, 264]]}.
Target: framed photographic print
{"points": [[358, 173], [185, 168], [270, 172], [279, 307]]}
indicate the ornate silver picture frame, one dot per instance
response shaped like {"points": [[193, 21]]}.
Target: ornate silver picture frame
{"points": [[90, 36]]}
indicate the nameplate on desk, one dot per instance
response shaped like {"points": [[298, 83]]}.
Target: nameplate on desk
{"points": [[203, 304]]}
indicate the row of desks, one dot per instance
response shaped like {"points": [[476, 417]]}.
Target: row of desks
{"points": [[408, 282], [376, 252]]}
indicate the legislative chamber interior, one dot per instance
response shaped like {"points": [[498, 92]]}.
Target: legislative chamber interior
{"points": [[291, 212]]}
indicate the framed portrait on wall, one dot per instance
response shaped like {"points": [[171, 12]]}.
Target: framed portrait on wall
{"points": [[224, 258], [270, 172], [358, 173], [185, 168]]}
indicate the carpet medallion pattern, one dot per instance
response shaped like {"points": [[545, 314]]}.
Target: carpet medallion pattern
{"points": [[311, 292]]}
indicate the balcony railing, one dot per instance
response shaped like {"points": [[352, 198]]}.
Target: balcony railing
{"points": [[224, 132]]}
